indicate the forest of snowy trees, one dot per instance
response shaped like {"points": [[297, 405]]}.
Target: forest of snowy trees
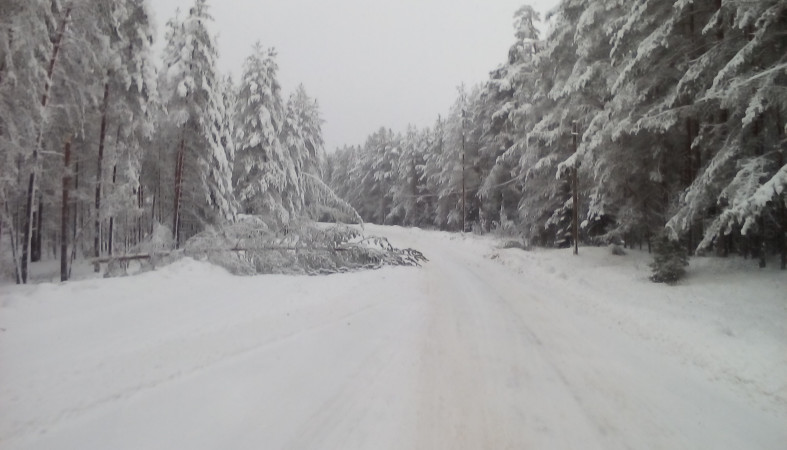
{"points": [[103, 148], [655, 118], [628, 121]]}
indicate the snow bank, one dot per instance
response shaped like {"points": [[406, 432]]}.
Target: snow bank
{"points": [[728, 317]]}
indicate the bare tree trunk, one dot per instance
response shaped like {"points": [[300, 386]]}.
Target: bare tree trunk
{"points": [[13, 236], [140, 206], [101, 141], [112, 218], [64, 213], [783, 232], [178, 185], [28, 225], [75, 211], [575, 192], [31, 186], [153, 211], [464, 187], [35, 251]]}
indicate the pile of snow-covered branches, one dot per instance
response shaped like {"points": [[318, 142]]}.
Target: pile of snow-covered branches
{"points": [[250, 246]]}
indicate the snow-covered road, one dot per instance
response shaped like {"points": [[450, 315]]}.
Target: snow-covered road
{"points": [[462, 353]]}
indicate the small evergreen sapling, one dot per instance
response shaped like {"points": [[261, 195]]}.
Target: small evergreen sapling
{"points": [[670, 260]]}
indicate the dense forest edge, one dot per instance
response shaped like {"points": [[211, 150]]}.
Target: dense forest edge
{"points": [[647, 123], [658, 124]]}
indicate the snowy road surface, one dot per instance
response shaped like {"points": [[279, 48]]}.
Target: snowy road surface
{"points": [[463, 353]]}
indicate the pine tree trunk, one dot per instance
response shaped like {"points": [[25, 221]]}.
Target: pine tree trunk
{"points": [[575, 192], [64, 213], [112, 218], [14, 241], [140, 206], [100, 160], [153, 212], [75, 209], [762, 244], [26, 238], [783, 233], [178, 185], [35, 244], [31, 186]]}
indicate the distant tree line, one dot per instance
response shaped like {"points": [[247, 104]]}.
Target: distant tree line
{"points": [[634, 119], [100, 145]]}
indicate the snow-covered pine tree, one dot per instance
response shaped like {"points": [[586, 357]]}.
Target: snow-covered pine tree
{"points": [[377, 174], [264, 177], [25, 45], [192, 95], [543, 121], [435, 147], [405, 208], [507, 98], [738, 84], [653, 46], [130, 99], [457, 180]]}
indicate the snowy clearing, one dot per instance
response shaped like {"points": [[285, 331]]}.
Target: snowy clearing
{"points": [[482, 348]]}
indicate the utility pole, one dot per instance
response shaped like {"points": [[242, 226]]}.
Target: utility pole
{"points": [[575, 190]]}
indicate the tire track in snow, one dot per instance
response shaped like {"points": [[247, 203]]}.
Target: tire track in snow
{"points": [[491, 385]]}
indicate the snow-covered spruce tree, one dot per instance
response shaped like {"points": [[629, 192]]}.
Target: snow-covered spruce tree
{"points": [[618, 176], [507, 98], [338, 168], [376, 172], [191, 92], [457, 180], [435, 147], [654, 47], [264, 177], [669, 260], [740, 80], [301, 138], [407, 190], [544, 123]]}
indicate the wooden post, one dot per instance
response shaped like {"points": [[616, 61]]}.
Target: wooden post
{"points": [[64, 212]]}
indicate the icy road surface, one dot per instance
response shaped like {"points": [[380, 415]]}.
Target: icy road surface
{"points": [[464, 353]]}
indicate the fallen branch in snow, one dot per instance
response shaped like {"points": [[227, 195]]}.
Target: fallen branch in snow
{"points": [[248, 248], [125, 258]]}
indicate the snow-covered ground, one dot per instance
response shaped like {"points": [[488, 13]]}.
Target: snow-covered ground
{"points": [[481, 348]]}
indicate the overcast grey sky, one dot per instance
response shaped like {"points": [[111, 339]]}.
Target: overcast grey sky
{"points": [[370, 63]]}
